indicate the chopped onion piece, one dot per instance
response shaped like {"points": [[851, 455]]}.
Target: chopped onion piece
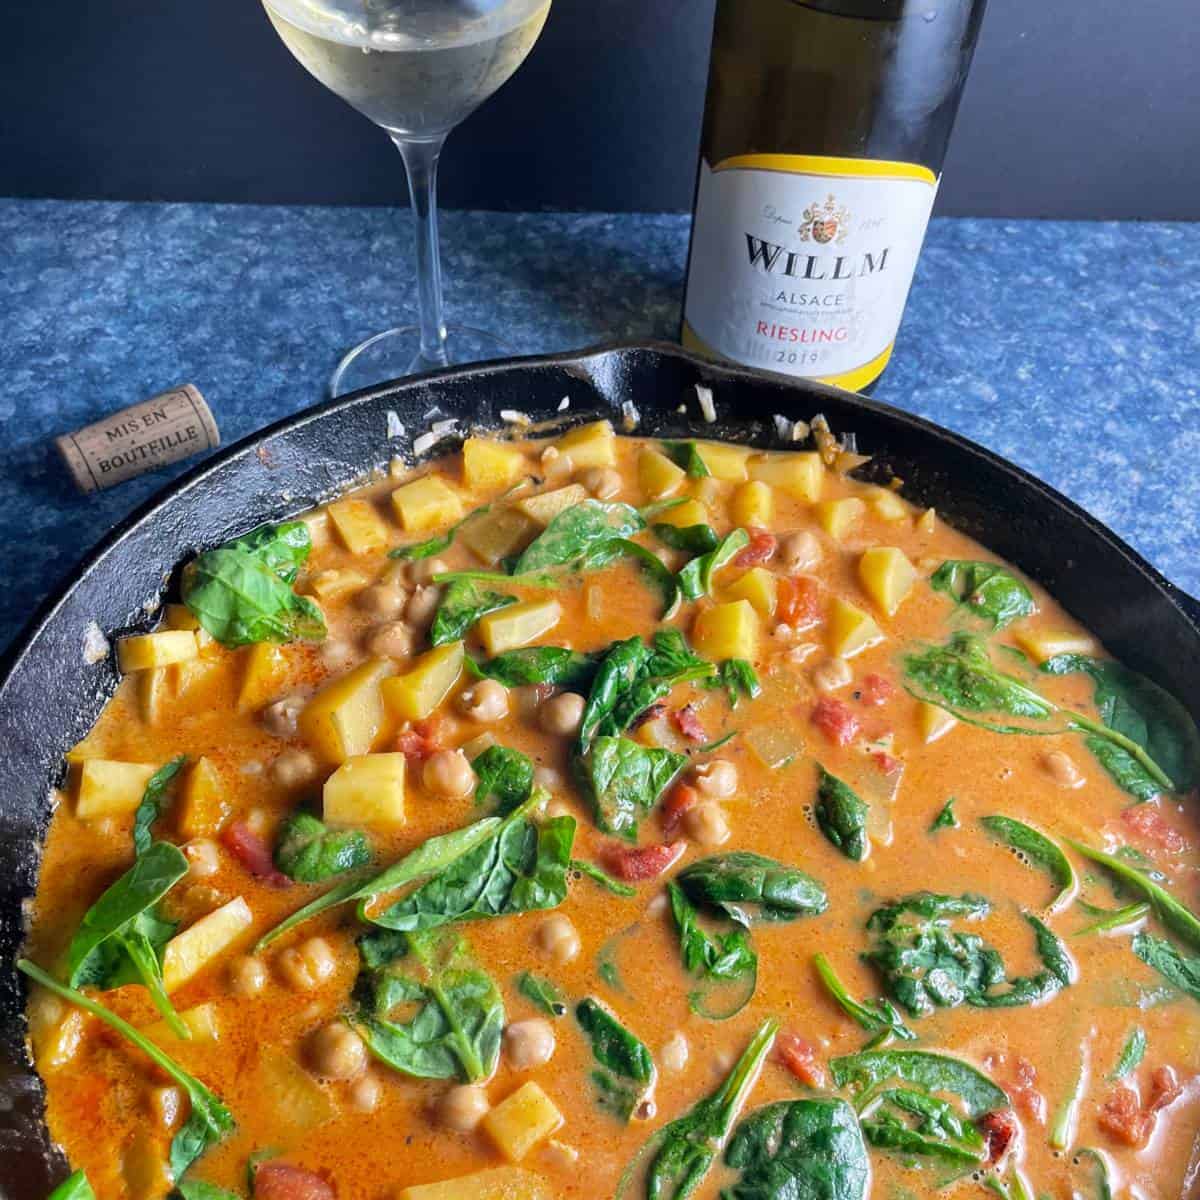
{"points": [[395, 427], [630, 417], [775, 745], [514, 416], [95, 644], [564, 404], [708, 410]]}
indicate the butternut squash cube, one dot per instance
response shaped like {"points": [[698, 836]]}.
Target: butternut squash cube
{"points": [[758, 586], [152, 689], [850, 629], [800, 473], [591, 445], [724, 462], [838, 517], [144, 1167], [179, 616], [366, 790], [295, 1095], [318, 524], [753, 504], [933, 722], [727, 631], [499, 1183], [189, 952], [490, 464], [1043, 644], [658, 476], [203, 805], [886, 576], [927, 521], [887, 505], [418, 692], [426, 503], [200, 1020], [265, 669], [56, 1033], [522, 1120], [690, 512], [347, 717], [111, 789], [359, 525], [518, 625], [143, 652], [497, 534], [545, 507], [336, 583]]}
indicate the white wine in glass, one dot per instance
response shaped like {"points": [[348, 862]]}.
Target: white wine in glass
{"points": [[416, 68]]}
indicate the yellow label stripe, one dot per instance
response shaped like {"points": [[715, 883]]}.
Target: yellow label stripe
{"points": [[817, 164]]}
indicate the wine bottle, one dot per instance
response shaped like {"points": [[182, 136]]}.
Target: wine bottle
{"points": [[825, 127]]}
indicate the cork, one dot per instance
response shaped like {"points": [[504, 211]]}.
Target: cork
{"points": [[144, 437]]}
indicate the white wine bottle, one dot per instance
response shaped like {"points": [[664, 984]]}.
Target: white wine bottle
{"points": [[824, 131]]}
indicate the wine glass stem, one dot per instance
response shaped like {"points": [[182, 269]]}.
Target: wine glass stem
{"points": [[421, 163]]}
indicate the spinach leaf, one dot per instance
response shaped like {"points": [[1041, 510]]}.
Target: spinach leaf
{"points": [[74, 1188], [209, 1121], [442, 541], [1158, 953], [915, 1124], [542, 994], [727, 958], [986, 589], [241, 592], [574, 532], [199, 1189], [749, 887], [624, 664], [1037, 850], [946, 818], [626, 1073], [121, 937], [458, 1020], [603, 878], [462, 605], [684, 1149], [1132, 1053], [622, 780], [864, 1072], [1100, 1179], [505, 777], [1175, 916], [536, 664], [696, 579], [1115, 919], [1134, 706], [691, 539], [738, 678], [687, 456], [150, 808], [842, 815], [877, 1017], [1058, 972], [308, 851], [800, 1150], [649, 564]]}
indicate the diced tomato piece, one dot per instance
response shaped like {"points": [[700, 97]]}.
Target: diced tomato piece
{"points": [[680, 798], [422, 739], [835, 720], [1121, 1116], [798, 602], [1165, 1089], [688, 723], [1148, 823], [252, 851], [876, 689], [281, 1181], [760, 550], [1019, 1076], [888, 764], [799, 1056], [648, 714], [635, 863], [999, 1129]]}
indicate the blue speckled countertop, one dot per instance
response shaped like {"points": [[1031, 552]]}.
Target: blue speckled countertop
{"points": [[1071, 348]]}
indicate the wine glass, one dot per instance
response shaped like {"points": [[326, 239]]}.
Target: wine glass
{"points": [[416, 68]]}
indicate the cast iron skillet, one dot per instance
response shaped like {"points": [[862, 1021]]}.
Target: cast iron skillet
{"points": [[50, 696]]}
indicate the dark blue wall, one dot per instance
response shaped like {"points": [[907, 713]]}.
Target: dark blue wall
{"points": [[1076, 109]]}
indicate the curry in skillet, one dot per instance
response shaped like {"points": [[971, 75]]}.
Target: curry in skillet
{"points": [[603, 817]]}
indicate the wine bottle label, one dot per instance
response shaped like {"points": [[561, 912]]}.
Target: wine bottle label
{"points": [[802, 264]]}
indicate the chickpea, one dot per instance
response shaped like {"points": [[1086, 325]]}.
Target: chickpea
{"points": [[556, 465], [336, 1052], [716, 779], [548, 778], [337, 654], [425, 569], [674, 1053], [365, 1093], [393, 639], [422, 604], [1061, 767], [447, 773], [602, 482], [832, 674], [485, 702], [800, 551], [204, 857], [397, 575], [561, 714], [558, 938], [706, 823], [166, 1106], [307, 965], [247, 975], [463, 1107], [529, 1044], [294, 768], [279, 719], [381, 600]]}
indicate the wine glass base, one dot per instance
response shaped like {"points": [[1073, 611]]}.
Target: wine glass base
{"points": [[397, 352]]}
